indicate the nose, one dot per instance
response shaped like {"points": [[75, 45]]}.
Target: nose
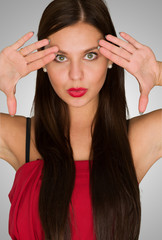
{"points": [[76, 71]]}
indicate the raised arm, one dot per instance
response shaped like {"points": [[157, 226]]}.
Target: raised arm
{"points": [[138, 59], [16, 62], [159, 82], [145, 132]]}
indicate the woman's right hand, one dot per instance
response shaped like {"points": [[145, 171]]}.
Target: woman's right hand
{"points": [[16, 63]]}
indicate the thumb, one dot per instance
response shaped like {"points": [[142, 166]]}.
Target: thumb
{"points": [[12, 104], [143, 101]]}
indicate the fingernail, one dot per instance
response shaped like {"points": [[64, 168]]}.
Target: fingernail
{"points": [[105, 36], [12, 115], [141, 113], [98, 47], [49, 41]]}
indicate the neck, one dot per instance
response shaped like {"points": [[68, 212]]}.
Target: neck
{"points": [[80, 129], [82, 117]]}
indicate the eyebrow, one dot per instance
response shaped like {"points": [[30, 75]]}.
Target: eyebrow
{"points": [[87, 50]]}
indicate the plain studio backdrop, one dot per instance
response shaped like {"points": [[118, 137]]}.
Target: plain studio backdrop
{"points": [[142, 20]]}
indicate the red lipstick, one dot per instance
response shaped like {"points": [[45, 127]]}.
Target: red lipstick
{"points": [[77, 92]]}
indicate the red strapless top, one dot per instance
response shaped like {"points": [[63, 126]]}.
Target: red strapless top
{"points": [[24, 221]]}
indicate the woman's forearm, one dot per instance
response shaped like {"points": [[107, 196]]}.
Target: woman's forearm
{"points": [[159, 81]]}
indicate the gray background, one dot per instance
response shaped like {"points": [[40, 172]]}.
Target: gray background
{"points": [[142, 20]]}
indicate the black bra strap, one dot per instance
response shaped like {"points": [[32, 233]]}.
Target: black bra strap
{"points": [[28, 126], [127, 124]]}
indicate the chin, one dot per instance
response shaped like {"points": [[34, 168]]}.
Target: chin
{"points": [[77, 103]]}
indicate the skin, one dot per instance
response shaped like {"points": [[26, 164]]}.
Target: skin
{"points": [[78, 64], [137, 59], [80, 67], [76, 70]]}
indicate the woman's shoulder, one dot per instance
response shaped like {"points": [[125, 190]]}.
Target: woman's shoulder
{"points": [[140, 126], [145, 137], [13, 140]]}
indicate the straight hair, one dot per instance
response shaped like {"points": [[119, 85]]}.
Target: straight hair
{"points": [[114, 188]]}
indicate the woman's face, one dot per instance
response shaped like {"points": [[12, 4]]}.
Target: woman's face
{"points": [[78, 72]]}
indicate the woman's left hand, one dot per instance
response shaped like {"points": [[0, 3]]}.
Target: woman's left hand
{"points": [[137, 59]]}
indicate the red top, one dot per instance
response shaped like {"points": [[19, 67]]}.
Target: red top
{"points": [[24, 221]]}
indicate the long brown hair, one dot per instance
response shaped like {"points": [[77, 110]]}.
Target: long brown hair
{"points": [[113, 186]]}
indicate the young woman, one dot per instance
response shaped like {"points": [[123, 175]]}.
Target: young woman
{"points": [[84, 160]]}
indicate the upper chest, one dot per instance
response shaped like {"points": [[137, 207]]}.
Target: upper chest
{"points": [[81, 146]]}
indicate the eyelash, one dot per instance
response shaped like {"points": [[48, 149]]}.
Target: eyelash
{"points": [[94, 53]]}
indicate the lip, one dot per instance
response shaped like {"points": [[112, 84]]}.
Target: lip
{"points": [[77, 92]]}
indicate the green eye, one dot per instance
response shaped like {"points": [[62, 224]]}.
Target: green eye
{"points": [[60, 58], [91, 56]]}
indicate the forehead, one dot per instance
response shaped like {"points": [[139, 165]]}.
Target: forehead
{"points": [[78, 36]]}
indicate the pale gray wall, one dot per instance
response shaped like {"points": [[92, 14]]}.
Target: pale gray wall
{"points": [[141, 19]]}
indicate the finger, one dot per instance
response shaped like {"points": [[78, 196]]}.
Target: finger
{"points": [[114, 58], [125, 45], [143, 101], [116, 50], [12, 104], [40, 62], [38, 55], [131, 40], [35, 46], [22, 40]]}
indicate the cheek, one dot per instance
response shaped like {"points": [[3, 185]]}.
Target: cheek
{"points": [[98, 73], [100, 79], [57, 85], [99, 67], [56, 77], [55, 82]]}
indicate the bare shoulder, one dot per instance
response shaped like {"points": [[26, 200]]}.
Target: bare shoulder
{"points": [[13, 140], [145, 137]]}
